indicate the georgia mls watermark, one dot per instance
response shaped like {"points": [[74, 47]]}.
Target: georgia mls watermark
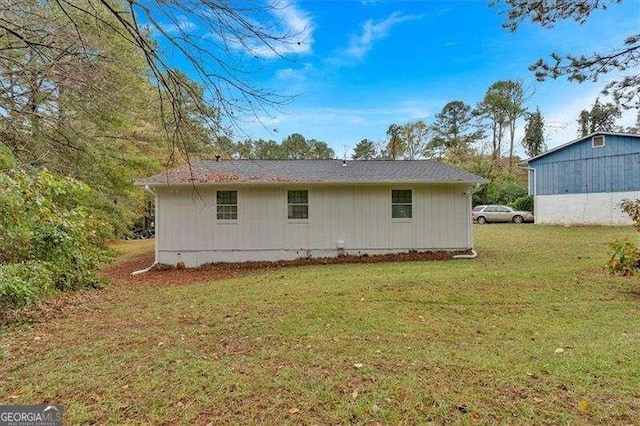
{"points": [[30, 415]]}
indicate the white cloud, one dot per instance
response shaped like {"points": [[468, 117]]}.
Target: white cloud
{"points": [[289, 74], [293, 28], [372, 32], [180, 25]]}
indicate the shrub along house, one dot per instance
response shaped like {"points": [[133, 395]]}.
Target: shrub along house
{"points": [[244, 210], [585, 180]]}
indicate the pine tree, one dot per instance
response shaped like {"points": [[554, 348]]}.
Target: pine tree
{"points": [[365, 150], [601, 118], [454, 131], [533, 141]]}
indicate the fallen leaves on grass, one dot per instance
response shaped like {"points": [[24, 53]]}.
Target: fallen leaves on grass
{"points": [[583, 406]]}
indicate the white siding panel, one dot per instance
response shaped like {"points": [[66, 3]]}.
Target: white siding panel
{"points": [[602, 208], [446, 218], [177, 219], [359, 216], [262, 217]]}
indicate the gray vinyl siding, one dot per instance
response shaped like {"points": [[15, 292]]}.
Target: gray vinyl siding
{"points": [[357, 215], [579, 168]]}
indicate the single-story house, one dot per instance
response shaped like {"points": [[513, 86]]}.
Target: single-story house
{"points": [[249, 210], [585, 180]]}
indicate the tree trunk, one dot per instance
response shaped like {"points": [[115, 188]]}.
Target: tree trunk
{"points": [[512, 136], [494, 152]]}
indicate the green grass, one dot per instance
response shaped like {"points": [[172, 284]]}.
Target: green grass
{"points": [[461, 341]]}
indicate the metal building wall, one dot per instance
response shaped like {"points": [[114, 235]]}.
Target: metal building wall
{"points": [[580, 168]]}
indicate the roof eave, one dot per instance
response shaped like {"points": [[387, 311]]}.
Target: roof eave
{"points": [[564, 145], [314, 183]]}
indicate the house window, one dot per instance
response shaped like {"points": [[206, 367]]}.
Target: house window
{"points": [[401, 204], [298, 204], [227, 205], [597, 141]]}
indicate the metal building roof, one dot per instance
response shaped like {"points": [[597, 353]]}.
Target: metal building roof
{"points": [[580, 139]]}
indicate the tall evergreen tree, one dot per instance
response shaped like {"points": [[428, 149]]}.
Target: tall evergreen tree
{"points": [[493, 110], [601, 118], [295, 147], [533, 141], [584, 123], [365, 150], [454, 131]]}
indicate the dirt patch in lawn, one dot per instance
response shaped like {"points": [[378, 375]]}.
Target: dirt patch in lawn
{"points": [[161, 275]]}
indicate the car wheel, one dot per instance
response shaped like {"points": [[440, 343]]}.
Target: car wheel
{"points": [[518, 219], [144, 235], [481, 220]]}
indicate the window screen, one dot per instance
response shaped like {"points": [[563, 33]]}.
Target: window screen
{"points": [[597, 141], [227, 205], [298, 204], [401, 204]]}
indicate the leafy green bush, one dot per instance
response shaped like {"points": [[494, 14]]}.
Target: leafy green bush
{"points": [[50, 237], [505, 191], [624, 258], [523, 203], [632, 208], [25, 283]]}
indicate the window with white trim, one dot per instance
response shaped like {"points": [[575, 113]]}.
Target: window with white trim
{"points": [[597, 141], [401, 204], [298, 204], [227, 205]]}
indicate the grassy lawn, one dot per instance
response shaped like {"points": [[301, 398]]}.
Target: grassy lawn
{"points": [[532, 331]]}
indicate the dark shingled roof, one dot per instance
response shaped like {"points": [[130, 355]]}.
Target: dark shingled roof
{"points": [[312, 171]]}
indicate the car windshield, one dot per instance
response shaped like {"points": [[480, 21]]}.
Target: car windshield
{"points": [[477, 208]]}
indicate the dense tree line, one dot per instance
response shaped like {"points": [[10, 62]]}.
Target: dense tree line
{"points": [[457, 130], [293, 147]]}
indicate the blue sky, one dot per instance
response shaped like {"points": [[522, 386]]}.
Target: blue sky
{"points": [[362, 65]]}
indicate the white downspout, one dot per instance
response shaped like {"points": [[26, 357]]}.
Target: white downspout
{"points": [[155, 219], [534, 187], [473, 255], [535, 182]]}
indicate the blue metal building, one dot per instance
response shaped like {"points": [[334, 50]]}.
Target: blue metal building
{"points": [[585, 180]]}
